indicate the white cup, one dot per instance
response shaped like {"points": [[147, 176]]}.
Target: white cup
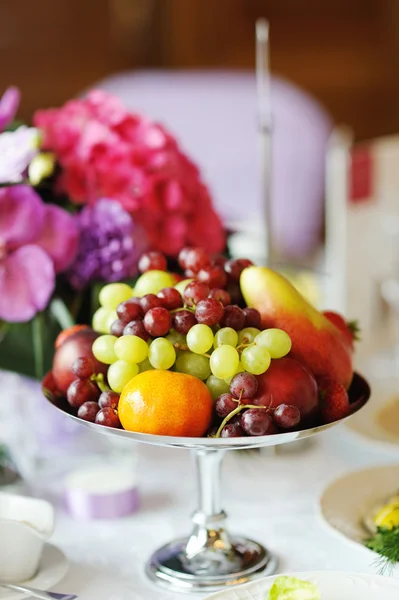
{"points": [[25, 525]]}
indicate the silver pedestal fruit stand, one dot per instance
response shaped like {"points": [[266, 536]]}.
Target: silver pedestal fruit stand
{"points": [[210, 557]]}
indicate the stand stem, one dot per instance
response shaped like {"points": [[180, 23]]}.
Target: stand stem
{"points": [[208, 463]]}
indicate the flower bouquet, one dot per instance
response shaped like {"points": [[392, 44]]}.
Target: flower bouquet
{"points": [[83, 192]]}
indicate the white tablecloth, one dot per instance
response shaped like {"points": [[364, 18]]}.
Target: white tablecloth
{"points": [[271, 498]]}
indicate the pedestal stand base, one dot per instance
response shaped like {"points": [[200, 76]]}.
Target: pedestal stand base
{"points": [[209, 571]]}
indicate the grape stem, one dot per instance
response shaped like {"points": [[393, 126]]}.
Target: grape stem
{"points": [[234, 412], [243, 346], [99, 379]]}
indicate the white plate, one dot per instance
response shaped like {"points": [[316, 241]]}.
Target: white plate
{"points": [[53, 568], [333, 586], [365, 426], [349, 500]]}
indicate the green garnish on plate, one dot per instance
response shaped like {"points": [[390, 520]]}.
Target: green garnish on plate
{"points": [[386, 543], [291, 588]]}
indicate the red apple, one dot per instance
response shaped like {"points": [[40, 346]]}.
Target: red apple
{"points": [[76, 345], [287, 381]]}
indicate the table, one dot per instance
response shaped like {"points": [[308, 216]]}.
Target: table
{"points": [[272, 498]]}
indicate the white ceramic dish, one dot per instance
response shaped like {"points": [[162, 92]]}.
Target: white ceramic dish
{"points": [[332, 585], [25, 525], [365, 425], [52, 569], [349, 500]]}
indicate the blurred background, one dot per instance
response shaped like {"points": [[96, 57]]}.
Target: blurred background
{"points": [[345, 53]]}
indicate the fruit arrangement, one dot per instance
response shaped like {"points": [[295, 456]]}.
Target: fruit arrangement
{"points": [[223, 348]]}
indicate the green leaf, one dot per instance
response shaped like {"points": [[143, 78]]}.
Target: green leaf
{"points": [[291, 588]]}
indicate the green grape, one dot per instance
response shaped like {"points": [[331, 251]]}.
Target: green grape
{"points": [[193, 364], [240, 369], [217, 386], [162, 355], [226, 335], [200, 338], [255, 359], [131, 348], [276, 341], [103, 349], [176, 338], [113, 294], [247, 335], [224, 361], [101, 319], [181, 286], [112, 316], [153, 282], [120, 373], [145, 365]]}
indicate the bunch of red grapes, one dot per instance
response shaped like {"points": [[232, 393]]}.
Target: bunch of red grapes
{"points": [[240, 416], [84, 395], [214, 297]]}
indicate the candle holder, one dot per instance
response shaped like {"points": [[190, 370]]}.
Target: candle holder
{"points": [[212, 558]]}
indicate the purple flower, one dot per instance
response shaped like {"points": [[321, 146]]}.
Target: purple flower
{"points": [[9, 104], [36, 242], [110, 245]]}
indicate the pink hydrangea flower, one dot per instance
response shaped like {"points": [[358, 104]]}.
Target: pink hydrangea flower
{"points": [[107, 152], [37, 241]]}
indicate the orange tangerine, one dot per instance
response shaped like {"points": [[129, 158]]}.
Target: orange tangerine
{"points": [[166, 403]]}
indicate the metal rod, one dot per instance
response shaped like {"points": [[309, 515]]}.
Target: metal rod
{"points": [[263, 86], [208, 474]]}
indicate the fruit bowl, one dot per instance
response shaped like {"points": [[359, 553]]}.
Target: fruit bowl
{"points": [[210, 558]]}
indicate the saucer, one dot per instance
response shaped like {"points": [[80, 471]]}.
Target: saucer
{"points": [[53, 568], [348, 502], [375, 425], [333, 586]]}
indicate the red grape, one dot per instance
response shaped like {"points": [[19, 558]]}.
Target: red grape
{"points": [[152, 261], [108, 399], [244, 385], [171, 298], [157, 321], [225, 404], [286, 416], [209, 311], [183, 320], [257, 421], [195, 292], [136, 328], [81, 391], [117, 328], [150, 301], [235, 267], [130, 310], [215, 277], [88, 411], [182, 257], [218, 260], [252, 317], [232, 430], [49, 387], [235, 294], [189, 274], [83, 367], [196, 259], [221, 295], [108, 417], [233, 317]]}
